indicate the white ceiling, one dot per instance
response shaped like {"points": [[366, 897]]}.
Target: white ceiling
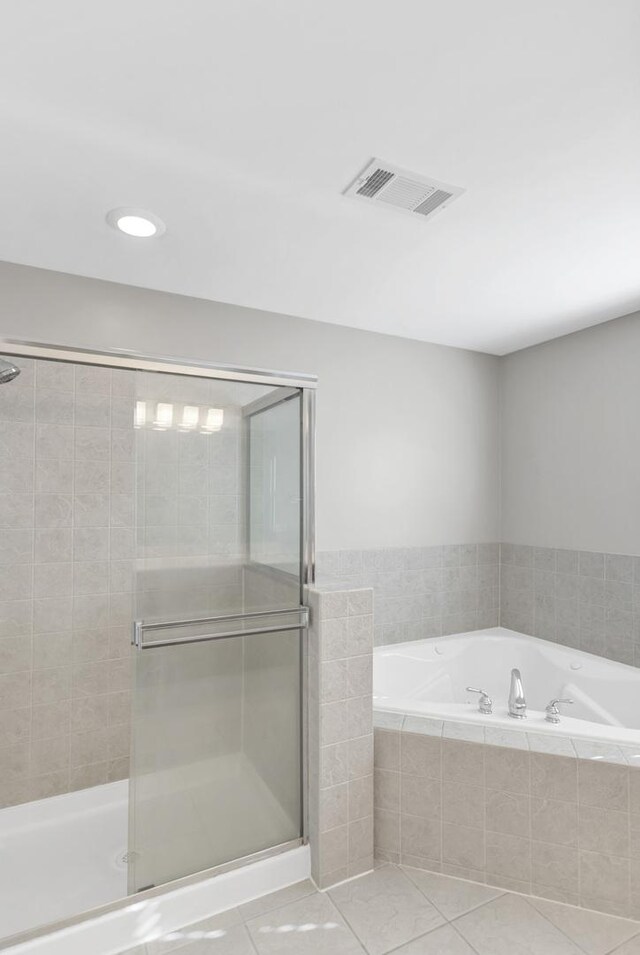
{"points": [[239, 122]]}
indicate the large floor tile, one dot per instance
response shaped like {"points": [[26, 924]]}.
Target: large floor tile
{"points": [[310, 926], [510, 925], [595, 933], [444, 941], [385, 909], [210, 930], [452, 897], [629, 948], [275, 900], [229, 941]]}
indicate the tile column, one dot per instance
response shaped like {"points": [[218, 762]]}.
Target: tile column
{"points": [[340, 734]]}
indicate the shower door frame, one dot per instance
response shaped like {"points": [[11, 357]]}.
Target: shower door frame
{"points": [[305, 385]]}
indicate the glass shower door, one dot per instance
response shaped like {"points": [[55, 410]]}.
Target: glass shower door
{"points": [[216, 757]]}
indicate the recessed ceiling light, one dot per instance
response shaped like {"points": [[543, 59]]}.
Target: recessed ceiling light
{"points": [[136, 222]]}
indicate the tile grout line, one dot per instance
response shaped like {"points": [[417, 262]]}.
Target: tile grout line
{"points": [[473, 908], [346, 921], [556, 927]]}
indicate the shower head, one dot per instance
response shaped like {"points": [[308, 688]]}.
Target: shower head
{"points": [[7, 371]]}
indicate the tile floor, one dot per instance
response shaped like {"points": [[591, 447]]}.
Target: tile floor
{"points": [[405, 911]]}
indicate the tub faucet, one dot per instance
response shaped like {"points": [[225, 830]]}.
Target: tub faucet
{"points": [[517, 702], [485, 703], [552, 711]]}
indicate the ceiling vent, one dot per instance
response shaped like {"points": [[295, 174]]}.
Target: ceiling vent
{"points": [[407, 191]]}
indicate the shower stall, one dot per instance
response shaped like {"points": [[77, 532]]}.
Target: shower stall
{"points": [[156, 525]]}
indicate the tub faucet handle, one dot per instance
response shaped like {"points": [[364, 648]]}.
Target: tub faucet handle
{"points": [[552, 711], [485, 703]]}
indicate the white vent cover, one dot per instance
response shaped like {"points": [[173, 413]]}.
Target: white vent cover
{"points": [[407, 191]]}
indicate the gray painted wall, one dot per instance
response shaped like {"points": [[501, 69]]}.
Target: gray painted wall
{"points": [[571, 441], [407, 431]]}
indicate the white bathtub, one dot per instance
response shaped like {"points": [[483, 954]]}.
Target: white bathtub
{"points": [[428, 678]]}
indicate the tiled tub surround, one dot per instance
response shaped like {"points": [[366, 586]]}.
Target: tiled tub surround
{"points": [[581, 599], [75, 568], [421, 592], [559, 827], [340, 734]]}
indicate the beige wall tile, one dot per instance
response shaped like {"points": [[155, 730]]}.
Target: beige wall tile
{"points": [[420, 836], [50, 784], [91, 774], [386, 830], [634, 789], [508, 813], [334, 723], [463, 846], [334, 807], [333, 681], [386, 788], [334, 849], [509, 856], [15, 726], [463, 761], [360, 757], [15, 654], [334, 764], [555, 866], [14, 761], [359, 676], [420, 755], [464, 805], [554, 777], [387, 749], [554, 821], [634, 888], [50, 719], [603, 785], [334, 639], [49, 756], [603, 877], [361, 840], [421, 796], [15, 690], [361, 798], [360, 716], [604, 830], [507, 769]]}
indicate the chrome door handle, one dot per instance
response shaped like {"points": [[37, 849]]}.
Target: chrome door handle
{"points": [[299, 621]]}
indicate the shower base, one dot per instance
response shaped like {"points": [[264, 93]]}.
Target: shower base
{"points": [[62, 856]]}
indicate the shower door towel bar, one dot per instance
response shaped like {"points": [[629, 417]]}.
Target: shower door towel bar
{"points": [[300, 622]]}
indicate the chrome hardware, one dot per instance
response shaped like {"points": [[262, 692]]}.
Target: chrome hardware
{"points": [[517, 702], [485, 703], [552, 711], [249, 624]]}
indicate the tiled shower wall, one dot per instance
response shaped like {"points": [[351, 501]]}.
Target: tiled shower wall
{"points": [[582, 599], [71, 559], [421, 592], [66, 513]]}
